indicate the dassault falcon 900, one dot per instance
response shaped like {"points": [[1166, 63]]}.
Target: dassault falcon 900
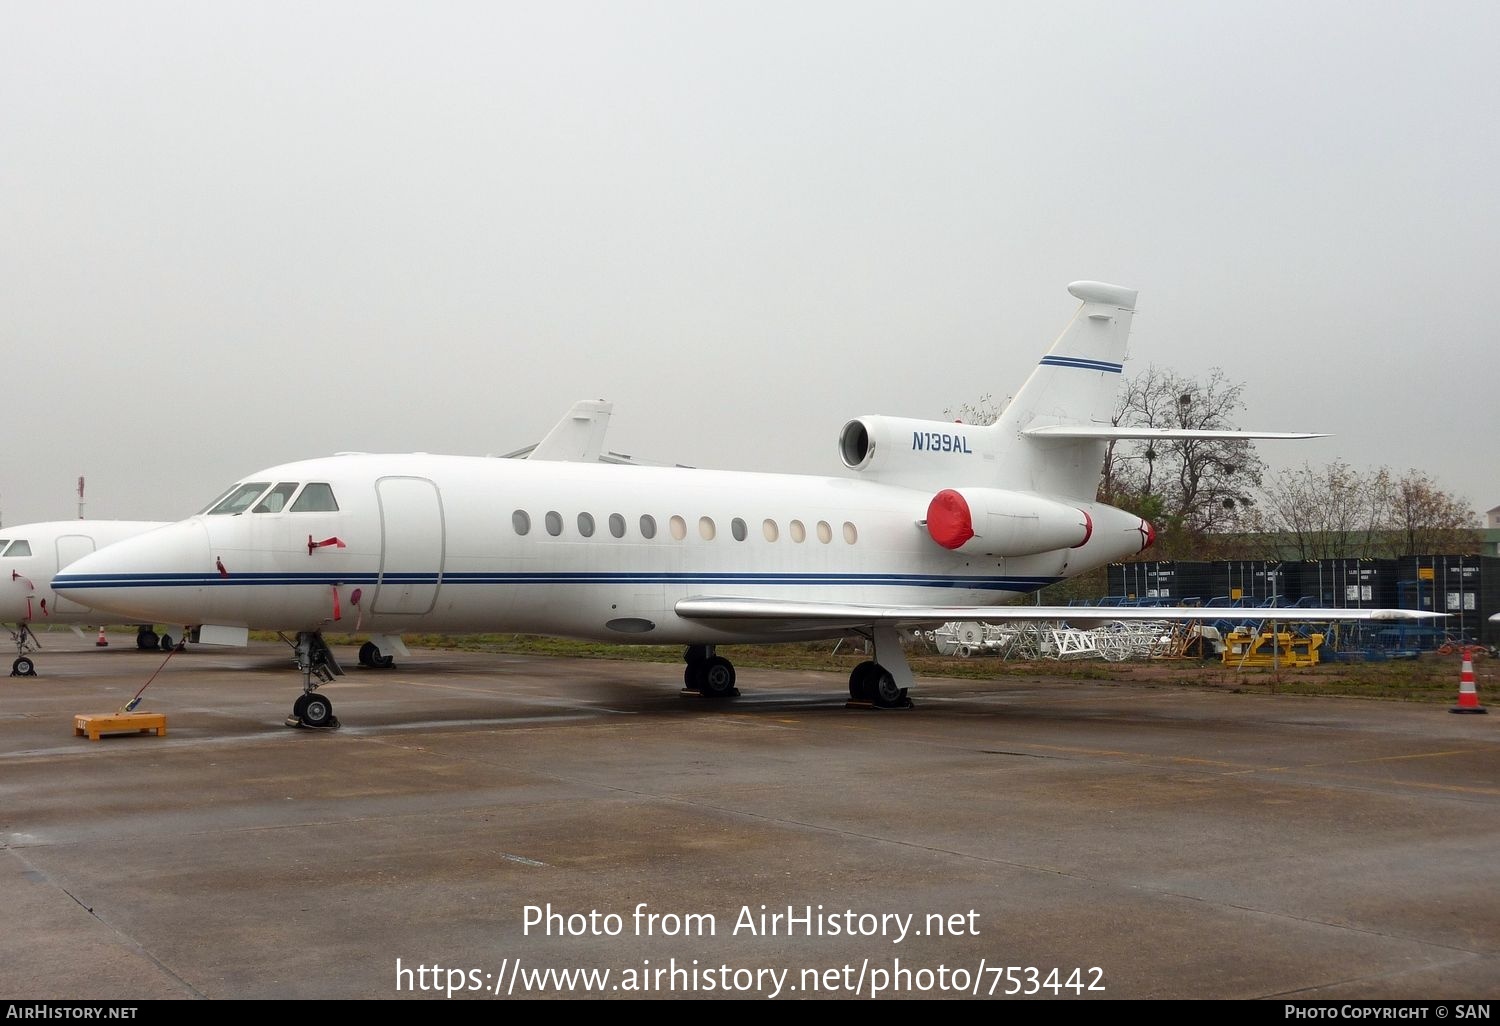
{"points": [[936, 522]]}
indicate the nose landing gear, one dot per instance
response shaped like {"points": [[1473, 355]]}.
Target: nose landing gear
{"points": [[25, 642], [315, 660]]}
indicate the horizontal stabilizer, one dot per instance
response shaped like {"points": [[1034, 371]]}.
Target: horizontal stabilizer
{"points": [[1107, 432]]}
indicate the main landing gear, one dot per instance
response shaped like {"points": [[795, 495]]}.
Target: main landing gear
{"points": [[873, 684], [369, 655], [147, 641], [709, 675], [25, 642], [315, 660], [882, 682]]}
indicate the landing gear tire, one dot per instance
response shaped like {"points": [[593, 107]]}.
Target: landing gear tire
{"points": [[145, 639], [22, 667], [167, 642], [317, 711], [717, 678], [692, 676], [888, 694], [369, 655], [870, 682], [861, 685], [299, 707]]}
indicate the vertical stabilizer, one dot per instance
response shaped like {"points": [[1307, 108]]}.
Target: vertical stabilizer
{"points": [[1077, 383], [579, 436]]}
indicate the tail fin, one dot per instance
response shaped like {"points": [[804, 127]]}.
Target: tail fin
{"points": [[1077, 384], [579, 436]]}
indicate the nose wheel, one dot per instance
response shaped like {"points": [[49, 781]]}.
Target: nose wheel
{"points": [[315, 660], [25, 642], [313, 710]]}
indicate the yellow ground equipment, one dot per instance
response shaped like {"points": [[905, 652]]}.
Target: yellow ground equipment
{"points": [[1246, 646], [119, 723]]}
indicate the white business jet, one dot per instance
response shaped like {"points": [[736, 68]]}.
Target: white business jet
{"points": [[938, 522], [31, 555]]}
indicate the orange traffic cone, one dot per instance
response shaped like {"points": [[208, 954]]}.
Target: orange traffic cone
{"points": [[103, 642], [1468, 694]]}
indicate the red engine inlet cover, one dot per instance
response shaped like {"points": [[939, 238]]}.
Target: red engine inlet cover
{"points": [[949, 521], [1088, 529]]}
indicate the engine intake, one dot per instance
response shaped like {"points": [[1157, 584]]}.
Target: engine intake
{"points": [[912, 449]]}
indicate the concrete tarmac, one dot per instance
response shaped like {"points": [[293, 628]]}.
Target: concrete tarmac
{"points": [[1071, 839]]}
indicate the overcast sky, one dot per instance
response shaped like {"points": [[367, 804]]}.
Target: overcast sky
{"points": [[240, 234]]}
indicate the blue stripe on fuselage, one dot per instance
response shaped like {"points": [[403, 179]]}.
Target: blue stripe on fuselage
{"points": [[64, 583]]}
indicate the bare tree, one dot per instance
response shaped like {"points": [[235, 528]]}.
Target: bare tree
{"points": [[1422, 519], [1335, 511], [1193, 487], [982, 412], [1322, 512]]}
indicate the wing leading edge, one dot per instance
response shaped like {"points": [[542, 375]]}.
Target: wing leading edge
{"points": [[777, 615]]}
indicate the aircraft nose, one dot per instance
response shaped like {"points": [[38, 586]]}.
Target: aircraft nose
{"points": [[150, 578]]}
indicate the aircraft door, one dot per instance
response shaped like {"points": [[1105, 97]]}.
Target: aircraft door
{"points": [[412, 545], [70, 549]]}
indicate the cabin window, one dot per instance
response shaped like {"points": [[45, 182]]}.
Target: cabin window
{"points": [[240, 499], [825, 533], [617, 525], [797, 531], [706, 528], [678, 527], [19, 547], [737, 528], [276, 499], [521, 521], [768, 528], [554, 523], [317, 497], [586, 524], [648, 526], [851, 534]]}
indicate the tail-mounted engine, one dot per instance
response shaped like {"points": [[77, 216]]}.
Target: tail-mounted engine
{"points": [[913, 452], [994, 522]]}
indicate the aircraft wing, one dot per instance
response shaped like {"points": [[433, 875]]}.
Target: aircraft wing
{"points": [[778, 615]]}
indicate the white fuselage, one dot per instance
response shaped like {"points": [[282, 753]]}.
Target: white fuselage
{"points": [[32, 554], [423, 543]]}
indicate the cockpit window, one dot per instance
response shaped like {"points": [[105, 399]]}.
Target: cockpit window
{"points": [[276, 499], [19, 547], [240, 499], [217, 499], [316, 498]]}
